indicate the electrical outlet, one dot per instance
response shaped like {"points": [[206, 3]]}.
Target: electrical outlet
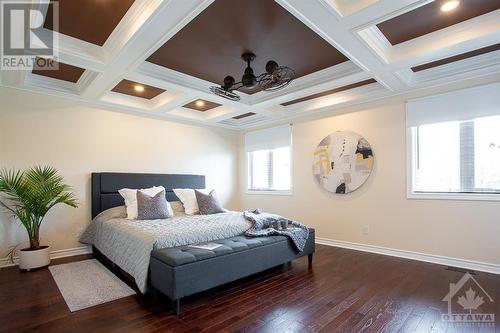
{"points": [[366, 229]]}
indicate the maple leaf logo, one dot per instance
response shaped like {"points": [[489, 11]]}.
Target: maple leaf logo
{"points": [[470, 301]]}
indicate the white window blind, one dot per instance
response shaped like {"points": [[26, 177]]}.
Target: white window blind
{"points": [[269, 138], [269, 159], [454, 144]]}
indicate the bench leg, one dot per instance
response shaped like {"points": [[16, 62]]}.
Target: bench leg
{"points": [[176, 306], [310, 259]]}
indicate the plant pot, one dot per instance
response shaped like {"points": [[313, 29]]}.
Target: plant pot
{"points": [[29, 259]]}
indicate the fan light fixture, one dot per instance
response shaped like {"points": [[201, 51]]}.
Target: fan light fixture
{"points": [[276, 77], [449, 5]]}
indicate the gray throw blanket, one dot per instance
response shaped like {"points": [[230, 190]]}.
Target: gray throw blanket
{"points": [[264, 225]]}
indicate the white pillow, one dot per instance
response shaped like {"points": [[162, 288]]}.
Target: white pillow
{"points": [[130, 197], [188, 199]]}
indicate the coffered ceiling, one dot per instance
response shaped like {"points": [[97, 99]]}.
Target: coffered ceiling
{"points": [[330, 92], [429, 18], [201, 105], [58, 70], [159, 58], [458, 57], [137, 89], [92, 21], [210, 46]]}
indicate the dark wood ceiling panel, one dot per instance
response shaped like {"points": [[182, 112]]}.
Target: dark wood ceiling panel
{"points": [[63, 72], [90, 20], [430, 18], [329, 92], [210, 46], [201, 105], [245, 115], [128, 87], [457, 57]]}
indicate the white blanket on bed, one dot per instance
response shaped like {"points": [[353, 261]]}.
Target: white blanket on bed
{"points": [[128, 243]]}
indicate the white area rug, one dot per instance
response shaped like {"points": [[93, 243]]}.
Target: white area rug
{"points": [[87, 283]]}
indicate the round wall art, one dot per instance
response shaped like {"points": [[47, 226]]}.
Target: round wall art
{"points": [[343, 161]]}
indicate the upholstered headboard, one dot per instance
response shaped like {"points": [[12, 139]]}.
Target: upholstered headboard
{"points": [[105, 186]]}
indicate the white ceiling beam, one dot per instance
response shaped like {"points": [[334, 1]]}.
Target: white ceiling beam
{"points": [[14, 78], [324, 23], [314, 89], [348, 7], [79, 53], [482, 65], [192, 87], [467, 36], [147, 38], [340, 98], [379, 11], [312, 82], [169, 79]]}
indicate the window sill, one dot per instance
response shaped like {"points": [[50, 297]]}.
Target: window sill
{"points": [[453, 196], [267, 192]]}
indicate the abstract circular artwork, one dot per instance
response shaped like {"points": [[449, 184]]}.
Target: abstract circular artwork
{"points": [[343, 161]]}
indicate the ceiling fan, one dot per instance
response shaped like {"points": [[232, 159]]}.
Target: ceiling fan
{"points": [[276, 77]]}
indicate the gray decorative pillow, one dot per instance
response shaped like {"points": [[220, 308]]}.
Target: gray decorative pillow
{"points": [[208, 203], [152, 208]]}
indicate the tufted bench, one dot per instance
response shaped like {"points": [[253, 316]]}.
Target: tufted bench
{"points": [[182, 271]]}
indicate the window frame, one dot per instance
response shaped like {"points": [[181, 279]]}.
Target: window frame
{"points": [[268, 191], [410, 176]]}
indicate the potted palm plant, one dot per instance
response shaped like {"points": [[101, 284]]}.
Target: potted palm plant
{"points": [[28, 196]]}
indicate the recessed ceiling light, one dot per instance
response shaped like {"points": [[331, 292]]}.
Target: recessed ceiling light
{"points": [[449, 5], [139, 88], [200, 103]]}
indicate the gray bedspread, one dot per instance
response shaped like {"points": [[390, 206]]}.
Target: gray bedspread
{"points": [[262, 226], [128, 243]]}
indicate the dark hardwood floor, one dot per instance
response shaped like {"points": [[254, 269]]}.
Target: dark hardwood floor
{"points": [[345, 291]]}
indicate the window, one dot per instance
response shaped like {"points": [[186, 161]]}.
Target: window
{"points": [[269, 160], [454, 150]]}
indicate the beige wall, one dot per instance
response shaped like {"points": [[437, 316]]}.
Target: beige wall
{"points": [[460, 229], [38, 129]]}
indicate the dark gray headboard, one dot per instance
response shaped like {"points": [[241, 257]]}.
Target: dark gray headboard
{"points": [[105, 186]]}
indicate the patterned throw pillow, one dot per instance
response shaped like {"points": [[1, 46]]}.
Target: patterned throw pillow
{"points": [[130, 197], [152, 207], [208, 203]]}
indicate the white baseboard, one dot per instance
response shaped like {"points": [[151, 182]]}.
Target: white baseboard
{"points": [[5, 262], [435, 259]]}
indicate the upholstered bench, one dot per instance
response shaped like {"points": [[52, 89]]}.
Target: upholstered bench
{"points": [[182, 271]]}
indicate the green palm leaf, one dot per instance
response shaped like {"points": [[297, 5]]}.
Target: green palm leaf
{"points": [[29, 195]]}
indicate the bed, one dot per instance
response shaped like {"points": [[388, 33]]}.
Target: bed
{"points": [[157, 254]]}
